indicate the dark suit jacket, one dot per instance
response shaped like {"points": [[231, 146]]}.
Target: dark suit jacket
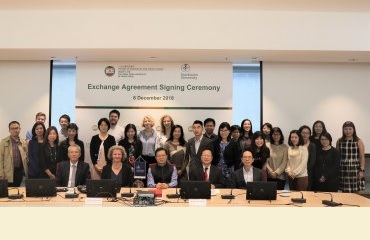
{"points": [[82, 173], [237, 178], [194, 157], [63, 150], [231, 154], [216, 177], [127, 176]]}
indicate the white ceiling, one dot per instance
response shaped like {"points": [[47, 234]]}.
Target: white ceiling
{"points": [[269, 5], [191, 55]]}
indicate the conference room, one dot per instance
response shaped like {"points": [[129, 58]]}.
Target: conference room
{"points": [[313, 60]]}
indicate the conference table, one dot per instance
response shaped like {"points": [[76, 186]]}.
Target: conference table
{"points": [[313, 199]]}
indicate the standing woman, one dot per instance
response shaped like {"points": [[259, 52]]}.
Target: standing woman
{"points": [[118, 169], [72, 139], [228, 157], [246, 136], [297, 162], [148, 137], [235, 132], [176, 148], [131, 144], [326, 177], [99, 146], [318, 128], [277, 161], [266, 130], [311, 147], [48, 153], [352, 160], [260, 153], [166, 126], [34, 149]]}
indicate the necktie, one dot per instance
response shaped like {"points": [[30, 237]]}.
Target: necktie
{"points": [[206, 174], [73, 177]]}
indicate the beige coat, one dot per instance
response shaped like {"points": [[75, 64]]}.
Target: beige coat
{"points": [[6, 158]]}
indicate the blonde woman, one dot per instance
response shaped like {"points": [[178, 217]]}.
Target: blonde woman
{"points": [[148, 137], [166, 126]]}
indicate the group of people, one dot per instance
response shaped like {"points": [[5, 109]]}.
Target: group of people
{"points": [[229, 159]]}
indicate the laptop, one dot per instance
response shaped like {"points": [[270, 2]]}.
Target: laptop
{"points": [[41, 188], [261, 191], [3, 188], [101, 188], [195, 190]]}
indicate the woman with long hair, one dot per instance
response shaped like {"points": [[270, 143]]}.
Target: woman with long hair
{"points": [[297, 162], [131, 144], [352, 159], [176, 149]]}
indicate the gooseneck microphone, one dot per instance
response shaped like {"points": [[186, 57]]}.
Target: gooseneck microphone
{"points": [[176, 195], [128, 195], [330, 203], [299, 200], [228, 196], [15, 196], [71, 195]]}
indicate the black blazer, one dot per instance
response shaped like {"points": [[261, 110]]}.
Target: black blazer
{"points": [[237, 178], [216, 177], [63, 150], [127, 176], [194, 157], [231, 154], [82, 173], [95, 145], [327, 165]]}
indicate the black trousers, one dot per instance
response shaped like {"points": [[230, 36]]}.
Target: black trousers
{"points": [[17, 177]]}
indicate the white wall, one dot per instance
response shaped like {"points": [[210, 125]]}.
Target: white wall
{"points": [[301, 93], [185, 29], [24, 91]]}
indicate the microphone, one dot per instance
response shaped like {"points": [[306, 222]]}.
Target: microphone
{"points": [[176, 195], [299, 200], [71, 195], [15, 196], [330, 203], [228, 196], [128, 195]]}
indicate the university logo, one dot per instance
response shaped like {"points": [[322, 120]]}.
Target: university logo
{"points": [[185, 67], [109, 71]]}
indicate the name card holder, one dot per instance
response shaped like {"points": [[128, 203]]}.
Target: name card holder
{"points": [[197, 202], [94, 201]]}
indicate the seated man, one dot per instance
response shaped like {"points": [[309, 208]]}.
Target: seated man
{"points": [[247, 173], [73, 172], [206, 171], [162, 174]]}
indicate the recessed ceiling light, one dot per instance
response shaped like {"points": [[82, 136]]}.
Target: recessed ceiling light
{"points": [[352, 59]]}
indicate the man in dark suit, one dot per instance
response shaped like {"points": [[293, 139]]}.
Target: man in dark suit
{"points": [[197, 144], [73, 172], [247, 173], [207, 172]]}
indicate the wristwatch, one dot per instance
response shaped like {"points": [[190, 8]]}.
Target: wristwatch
{"points": [[361, 170]]}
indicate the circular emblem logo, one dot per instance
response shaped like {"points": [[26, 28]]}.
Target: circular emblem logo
{"points": [[109, 71], [185, 67]]}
